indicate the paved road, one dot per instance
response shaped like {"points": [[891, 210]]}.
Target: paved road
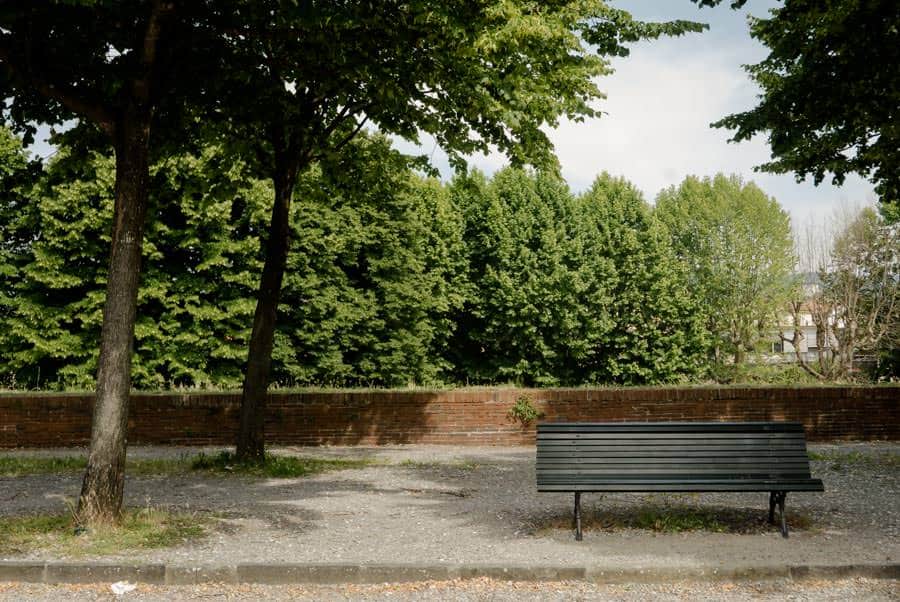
{"points": [[475, 589]]}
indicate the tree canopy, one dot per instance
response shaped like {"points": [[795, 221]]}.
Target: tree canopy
{"points": [[860, 285], [830, 98], [657, 332]]}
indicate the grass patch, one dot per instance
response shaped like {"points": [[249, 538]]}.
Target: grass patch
{"points": [[678, 518], [839, 459], [467, 465], [278, 467], [158, 466], [139, 529], [12, 466], [221, 464]]}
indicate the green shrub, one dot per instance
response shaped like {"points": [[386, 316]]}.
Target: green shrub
{"points": [[763, 374], [524, 411]]}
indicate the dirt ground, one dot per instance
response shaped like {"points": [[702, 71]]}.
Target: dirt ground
{"points": [[437, 504]]}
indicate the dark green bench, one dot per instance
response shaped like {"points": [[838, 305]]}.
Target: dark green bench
{"points": [[674, 456]]}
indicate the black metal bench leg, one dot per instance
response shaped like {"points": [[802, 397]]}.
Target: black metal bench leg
{"points": [[776, 498], [772, 502], [784, 529], [577, 518]]}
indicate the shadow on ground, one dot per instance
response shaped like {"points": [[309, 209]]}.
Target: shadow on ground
{"points": [[432, 504]]}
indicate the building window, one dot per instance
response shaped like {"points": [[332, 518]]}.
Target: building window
{"points": [[778, 347]]}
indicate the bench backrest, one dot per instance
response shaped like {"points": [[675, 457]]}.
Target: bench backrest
{"points": [[648, 456]]}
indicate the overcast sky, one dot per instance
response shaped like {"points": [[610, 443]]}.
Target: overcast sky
{"points": [[660, 102]]}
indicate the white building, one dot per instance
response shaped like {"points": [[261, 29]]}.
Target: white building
{"points": [[814, 339]]}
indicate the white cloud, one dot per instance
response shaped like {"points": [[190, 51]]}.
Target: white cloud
{"points": [[656, 124], [655, 130]]}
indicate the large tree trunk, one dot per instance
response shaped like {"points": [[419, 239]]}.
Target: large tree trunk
{"points": [[251, 436], [103, 486]]}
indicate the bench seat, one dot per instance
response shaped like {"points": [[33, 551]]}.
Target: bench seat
{"points": [[674, 456]]}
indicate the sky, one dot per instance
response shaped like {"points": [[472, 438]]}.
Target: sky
{"points": [[660, 102]]}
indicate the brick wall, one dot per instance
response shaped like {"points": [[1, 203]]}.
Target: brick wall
{"points": [[459, 417]]}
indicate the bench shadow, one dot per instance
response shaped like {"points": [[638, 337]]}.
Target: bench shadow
{"points": [[655, 517]]}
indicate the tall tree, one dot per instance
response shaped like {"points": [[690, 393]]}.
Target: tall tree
{"points": [[309, 76], [373, 273], [656, 332], [537, 305], [115, 65], [735, 242], [830, 97], [18, 180]]}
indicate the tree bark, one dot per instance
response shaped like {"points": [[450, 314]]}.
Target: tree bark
{"points": [[251, 435], [796, 309], [103, 485]]}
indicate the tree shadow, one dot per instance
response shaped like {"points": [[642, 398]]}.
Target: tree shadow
{"points": [[488, 492]]}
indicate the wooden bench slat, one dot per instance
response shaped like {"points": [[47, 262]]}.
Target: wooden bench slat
{"points": [[683, 486], [667, 459], [673, 448], [680, 440], [625, 469], [626, 457], [673, 443], [670, 479], [691, 427], [685, 473], [630, 458], [664, 435]]}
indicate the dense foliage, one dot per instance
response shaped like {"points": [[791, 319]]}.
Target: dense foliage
{"points": [[192, 302], [368, 293], [657, 332], [571, 290], [735, 243], [393, 278]]}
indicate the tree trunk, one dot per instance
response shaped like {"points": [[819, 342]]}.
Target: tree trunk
{"points": [[848, 350], [104, 479], [251, 436], [796, 341]]}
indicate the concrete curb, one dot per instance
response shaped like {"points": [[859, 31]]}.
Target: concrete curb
{"points": [[63, 572]]}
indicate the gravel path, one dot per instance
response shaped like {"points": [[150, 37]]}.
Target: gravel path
{"points": [[476, 589], [438, 504]]}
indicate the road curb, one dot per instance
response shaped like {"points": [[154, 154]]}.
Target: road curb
{"points": [[64, 572]]}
